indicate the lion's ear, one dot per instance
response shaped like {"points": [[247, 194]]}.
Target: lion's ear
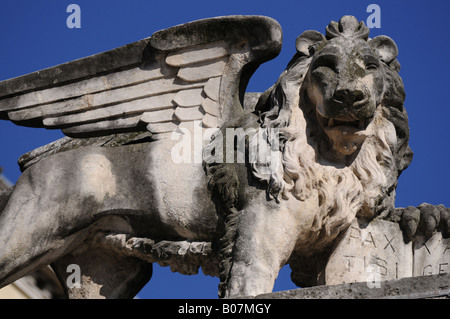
{"points": [[386, 48], [306, 42]]}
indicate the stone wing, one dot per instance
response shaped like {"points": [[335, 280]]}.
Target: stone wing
{"points": [[197, 71]]}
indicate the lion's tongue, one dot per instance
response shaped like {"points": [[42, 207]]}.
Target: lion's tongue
{"points": [[345, 139]]}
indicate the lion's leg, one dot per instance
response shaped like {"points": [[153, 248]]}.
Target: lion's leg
{"points": [[44, 217], [98, 273], [29, 233], [266, 239]]}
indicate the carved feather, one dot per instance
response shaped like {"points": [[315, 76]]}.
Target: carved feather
{"points": [[155, 84]]}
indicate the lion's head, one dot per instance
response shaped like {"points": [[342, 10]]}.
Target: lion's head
{"points": [[339, 109], [346, 80]]}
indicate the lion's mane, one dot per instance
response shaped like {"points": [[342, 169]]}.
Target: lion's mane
{"points": [[363, 187]]}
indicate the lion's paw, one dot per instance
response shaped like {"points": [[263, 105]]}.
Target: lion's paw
{"points": [[425, 220]]}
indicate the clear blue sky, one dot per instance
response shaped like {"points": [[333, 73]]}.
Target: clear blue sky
{"points": [[34, 36]]}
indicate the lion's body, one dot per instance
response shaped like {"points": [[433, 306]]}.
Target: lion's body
{"points": [[80, 187], [327, 175]]}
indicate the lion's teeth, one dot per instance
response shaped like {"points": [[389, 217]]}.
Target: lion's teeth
{"points": [[330, 122]]}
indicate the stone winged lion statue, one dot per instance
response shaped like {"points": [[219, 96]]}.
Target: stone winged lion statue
{"points": [[167, 159]]}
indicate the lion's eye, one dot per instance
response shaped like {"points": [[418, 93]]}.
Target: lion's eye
{"points": [[327, 60]]}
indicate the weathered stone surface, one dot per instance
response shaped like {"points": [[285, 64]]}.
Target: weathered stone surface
{"points": [[90, 86], [250, 100], [210, 121], [67, 143], [128, 123], [202, 53], [370, 253], [202, 71], [63, 107], [382, 251], [182, 256], [189, 98], [431, 256], [120, 58], [212, 88], [4, 196], [158, 116], [188, 113], [437, 286], [161, 127], [127, 108], [211, 107]]}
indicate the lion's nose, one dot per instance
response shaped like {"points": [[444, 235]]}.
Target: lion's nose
{"points": [[348, 96]]}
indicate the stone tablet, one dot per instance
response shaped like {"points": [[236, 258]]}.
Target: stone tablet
{"points": [[371, 253], [432, 256]]}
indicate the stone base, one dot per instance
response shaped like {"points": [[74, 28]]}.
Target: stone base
{"points": [[424, 287]]}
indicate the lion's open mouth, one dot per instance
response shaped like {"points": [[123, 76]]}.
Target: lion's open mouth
{"points": [[345, 133], [348, 121]]}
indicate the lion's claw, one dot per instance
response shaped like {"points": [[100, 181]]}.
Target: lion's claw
{"points": [[410, 221], [429, 219], [425, 220]]}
